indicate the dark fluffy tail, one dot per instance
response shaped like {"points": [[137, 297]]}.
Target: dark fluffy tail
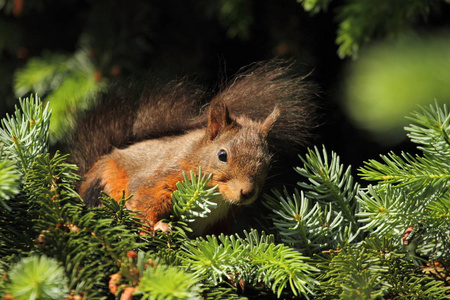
{"points": [[131, 112], [262, 86]]}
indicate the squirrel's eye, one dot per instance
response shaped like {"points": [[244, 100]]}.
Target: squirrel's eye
{"points": [[222, 155]]}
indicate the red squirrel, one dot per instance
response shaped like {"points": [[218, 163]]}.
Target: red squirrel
{"points": [[140, 139]]}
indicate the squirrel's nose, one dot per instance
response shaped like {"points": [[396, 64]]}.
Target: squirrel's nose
{"points": [[248, 192]]}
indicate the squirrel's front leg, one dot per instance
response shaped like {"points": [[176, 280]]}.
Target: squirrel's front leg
{"points": [[155, 202], [152, 196]]}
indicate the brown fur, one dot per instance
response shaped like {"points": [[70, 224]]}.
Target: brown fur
{"points": [[142, 146], [155, 202]]}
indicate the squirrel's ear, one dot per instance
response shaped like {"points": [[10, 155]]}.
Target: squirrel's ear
{"points": [[268, 123], [218, 119]]}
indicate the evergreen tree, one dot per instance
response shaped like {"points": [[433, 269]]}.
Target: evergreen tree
{"points": [[333, 239]]}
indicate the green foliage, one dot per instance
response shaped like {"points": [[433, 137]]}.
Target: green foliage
{"points": [[314, 6], [280, 266], [47, 216], [68, 81], [191, 199], [377, 268], [24, 135], [354, 273], [330, 184], [309, 228], [37, 278], [332, 240], [250, 261], [166, 282], [406, 215], [393, 78], [331, 220], [216, 258], [89, 247], [363, 21], [413, 190], [430, 131], [9, 182]]}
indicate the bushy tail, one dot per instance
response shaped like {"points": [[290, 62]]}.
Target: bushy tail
{"points": [[256, 91], [131, 112], [135, 111]]}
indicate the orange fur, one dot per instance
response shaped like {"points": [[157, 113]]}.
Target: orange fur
{"points": [[116, 179], [155, 202]]}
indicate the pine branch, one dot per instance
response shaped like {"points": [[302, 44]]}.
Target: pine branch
{"points": [[385, 211], [37, 278], [389, 211], [409, 205], [192, 200], [250, 261], [89, 247], [40, 74], [166, 282], [407, 170], [24, 135], [359, 22], [280, 266], [307, 228], [9, 182], [413, 191], [216, 258], [431, 130], [331, 186], [68, 81], [376, 269]]}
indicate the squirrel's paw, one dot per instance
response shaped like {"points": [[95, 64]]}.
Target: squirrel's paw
{"points": [[164, 227], [160, 225]]}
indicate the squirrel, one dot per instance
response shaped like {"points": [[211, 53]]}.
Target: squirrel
{"points": [[140, 138]]}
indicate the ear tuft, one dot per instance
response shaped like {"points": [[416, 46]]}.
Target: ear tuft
{"points": [[269, 122], [218, 119]]}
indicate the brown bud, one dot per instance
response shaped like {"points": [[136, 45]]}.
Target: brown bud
{"points": [[128, 293], [132, 254], [114, 282]]}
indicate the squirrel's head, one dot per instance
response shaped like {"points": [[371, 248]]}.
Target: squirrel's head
{"points": [[236, 152]]}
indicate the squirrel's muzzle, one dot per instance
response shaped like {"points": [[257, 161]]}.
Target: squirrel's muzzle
{"points": [[239, 192], [248, 193]]}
